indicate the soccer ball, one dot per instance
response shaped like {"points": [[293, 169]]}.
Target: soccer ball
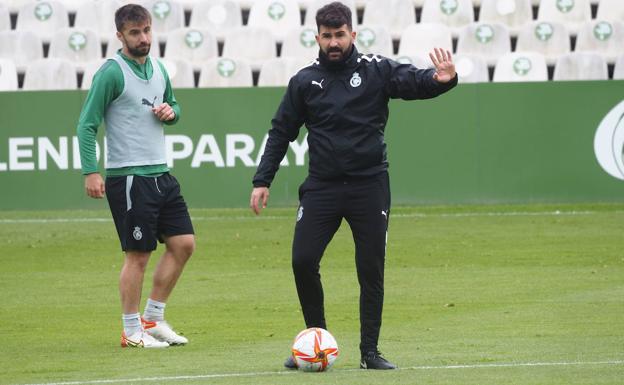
{"points": [[314, 350]]}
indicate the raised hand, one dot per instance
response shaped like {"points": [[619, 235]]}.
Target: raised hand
{"points": [[445, 68]]}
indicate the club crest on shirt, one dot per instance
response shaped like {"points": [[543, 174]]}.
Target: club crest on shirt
{"points": [[356, 80]]}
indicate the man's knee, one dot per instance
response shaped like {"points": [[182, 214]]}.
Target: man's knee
{"points": [[181, 245], [188, 246]]}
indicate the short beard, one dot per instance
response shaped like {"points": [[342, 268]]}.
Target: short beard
{"points": [[342, 54], [139, 52]]}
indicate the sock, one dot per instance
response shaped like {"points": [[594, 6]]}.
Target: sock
{"points": [[154, 310], [131, 323]]}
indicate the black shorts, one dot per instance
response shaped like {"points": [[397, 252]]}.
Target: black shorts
{"points": [[146, 209]]}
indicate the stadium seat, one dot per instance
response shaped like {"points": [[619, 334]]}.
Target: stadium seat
{"points": [[43, 18], [193, 45], [5, 18], [15, 5], [76, 45], [72, 5], [245, 4], [420, 39], [180, 73], [50, 74], [167, 15], [22, 47], [618, 71], [395, 15], [255, 44], [301, 43], [89, 71], [603, 37], [515, 14], [304, 4], [277, 72], [355, 5], [279, 16], [471, 69], [570, 12], [581, 66], [217, 16], [8, 75], [489, 41], [315, 5], [98, 16], [188, 5], [534, 3], [610, 10], [551, 39], [453, 13], [373, 39], [419, 61], [225, 72], [521, 67]]}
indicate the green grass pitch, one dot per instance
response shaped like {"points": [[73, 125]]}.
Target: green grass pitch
{"points": [[474, 295]]}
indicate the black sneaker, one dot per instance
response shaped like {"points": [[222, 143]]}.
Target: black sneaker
{"points": [[290, 363], [374, 360]]}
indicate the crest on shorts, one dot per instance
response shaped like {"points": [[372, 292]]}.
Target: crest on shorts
{"points": [[137, 234], [299, 213]]}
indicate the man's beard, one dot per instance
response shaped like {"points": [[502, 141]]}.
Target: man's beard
{"points": [[140, 51], [335, 49]]}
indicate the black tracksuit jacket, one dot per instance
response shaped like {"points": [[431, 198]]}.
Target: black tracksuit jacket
{"points": [[345, 109]]}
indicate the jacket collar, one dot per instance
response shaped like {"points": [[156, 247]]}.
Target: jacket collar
{"points": [[348, 62]]}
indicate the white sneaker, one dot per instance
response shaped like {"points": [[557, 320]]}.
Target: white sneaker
{"points": [[163, 332], [141, 339]]}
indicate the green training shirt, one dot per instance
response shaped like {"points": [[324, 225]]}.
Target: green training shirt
{"points": [[108, 84]]}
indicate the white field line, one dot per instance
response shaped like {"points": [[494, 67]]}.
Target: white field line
{"points": [[255, 374], [268, 217]]}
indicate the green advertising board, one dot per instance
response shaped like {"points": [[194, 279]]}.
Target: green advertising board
{"points": [[505, 143], [480, 143]]}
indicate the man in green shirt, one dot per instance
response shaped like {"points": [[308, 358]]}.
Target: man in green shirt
{"points": [[132, 93]]}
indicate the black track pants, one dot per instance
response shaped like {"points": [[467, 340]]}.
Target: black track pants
{"points": [[365, 204]]}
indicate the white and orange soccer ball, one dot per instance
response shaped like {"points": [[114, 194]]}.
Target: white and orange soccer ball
{"points": [[314, 350]]}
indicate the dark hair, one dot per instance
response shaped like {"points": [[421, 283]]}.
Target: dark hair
{"points": [[132, 13], [334, 15]]}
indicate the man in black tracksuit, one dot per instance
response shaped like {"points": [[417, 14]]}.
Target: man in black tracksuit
{"points": [[342, 98]]}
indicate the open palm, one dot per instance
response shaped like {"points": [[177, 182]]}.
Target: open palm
{"points": [[443, 62]]}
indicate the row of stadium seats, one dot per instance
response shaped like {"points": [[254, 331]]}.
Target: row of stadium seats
{"points": [[257, 44], [58, 74], [73, 5], [44, 17]]}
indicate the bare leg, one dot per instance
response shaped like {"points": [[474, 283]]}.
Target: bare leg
{"points": [[171, 264], [131, 280]]}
